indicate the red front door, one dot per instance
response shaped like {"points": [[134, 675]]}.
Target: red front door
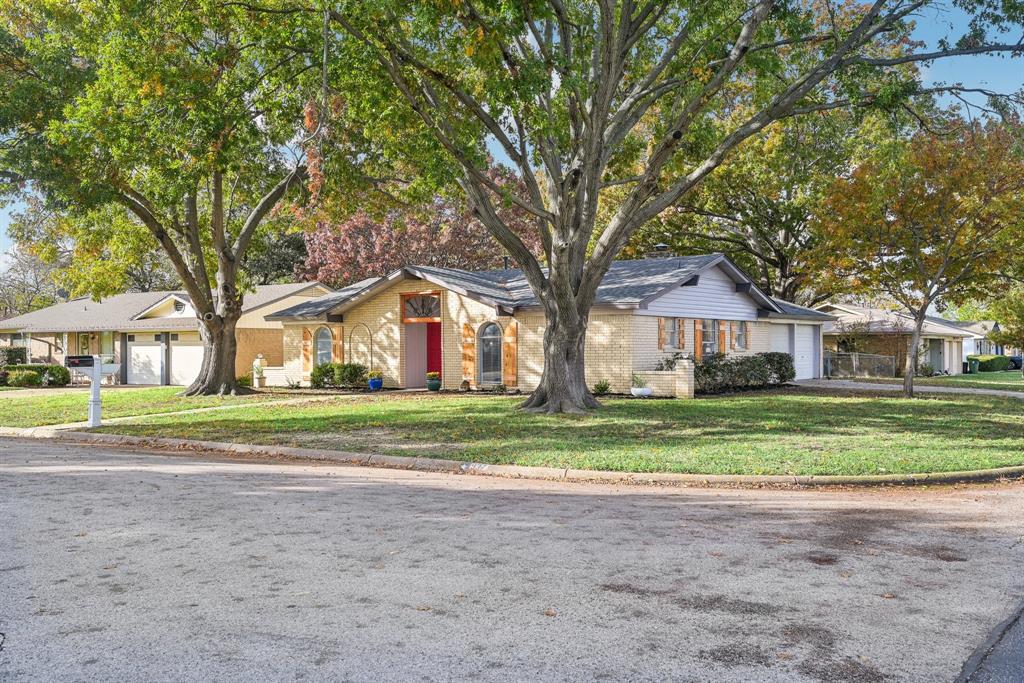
{"points": [[433, 347]]}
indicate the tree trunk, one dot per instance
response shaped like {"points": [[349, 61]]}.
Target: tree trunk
{"points": [[217, 374], [912, 355], [563, 384]]}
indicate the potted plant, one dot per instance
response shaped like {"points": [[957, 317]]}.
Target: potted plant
{"points": [[434, 381], [375, 380], [257, 376], [640, 387]]}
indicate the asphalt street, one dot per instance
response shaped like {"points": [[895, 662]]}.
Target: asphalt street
{"points": [[128, 565]]}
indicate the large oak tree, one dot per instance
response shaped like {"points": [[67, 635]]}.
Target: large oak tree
{"points": [[186, 115], [596, 98]]}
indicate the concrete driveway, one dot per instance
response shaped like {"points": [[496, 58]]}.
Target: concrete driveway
{"points": [[125, 565]]}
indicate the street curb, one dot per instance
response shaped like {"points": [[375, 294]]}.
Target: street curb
{"points": [[978, 657], [422, 464]]}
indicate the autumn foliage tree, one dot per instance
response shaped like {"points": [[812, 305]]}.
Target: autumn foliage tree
{"points": [[935, 222], [442, 233]]}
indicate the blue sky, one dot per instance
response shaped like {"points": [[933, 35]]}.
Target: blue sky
{"points": [[1001, 74]]}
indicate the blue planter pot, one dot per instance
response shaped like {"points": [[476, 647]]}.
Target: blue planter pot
{"points": [[434, 384], [376, 383]]}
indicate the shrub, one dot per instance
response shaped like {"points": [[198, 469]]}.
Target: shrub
{"points": [[322, 376], [925, 370], [603, 387], [3, 377], [718, 373], [49, 375], [781, 364], [244, 381], [24, 378], [13, 355], [349, 374], [671, 362], [56, 376], [990, 363]]}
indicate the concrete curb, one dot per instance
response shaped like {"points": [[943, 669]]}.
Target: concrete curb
{"points": [[421, 464]]}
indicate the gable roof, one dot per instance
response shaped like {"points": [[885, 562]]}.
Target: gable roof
{"points": [[627, 284], [121, 312], [791, 310], [979, 328], [881, 321]]}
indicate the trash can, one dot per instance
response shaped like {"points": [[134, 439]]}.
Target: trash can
{"points": [[972, 365]]}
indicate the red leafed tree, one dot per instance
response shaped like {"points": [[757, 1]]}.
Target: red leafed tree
{"points": [[443, 233]]}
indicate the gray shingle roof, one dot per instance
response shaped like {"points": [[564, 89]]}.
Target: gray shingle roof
{"points": [[881, 321], [116, 313], [791, 310], [627, 283]]}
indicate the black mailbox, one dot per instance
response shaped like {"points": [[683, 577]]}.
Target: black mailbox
{"points": [[79, 361]]}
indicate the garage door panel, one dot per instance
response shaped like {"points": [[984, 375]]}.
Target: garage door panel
{"points": [[186, 362], [145, 363], [805, 346]]}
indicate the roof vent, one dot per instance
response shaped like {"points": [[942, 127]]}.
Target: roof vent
{"points": [[661, 250]]}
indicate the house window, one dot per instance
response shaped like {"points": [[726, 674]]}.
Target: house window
{"points": [[739, 334], [709, 337], [671, 328], [489, 344], [106, 343], [83, 344], [324, 342], [421, 308]]}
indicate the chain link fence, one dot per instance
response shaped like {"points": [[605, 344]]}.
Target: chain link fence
{"points": [[859, 365]]}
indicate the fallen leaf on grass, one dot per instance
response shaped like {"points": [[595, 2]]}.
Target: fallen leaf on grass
{"points": [[550, 612]]}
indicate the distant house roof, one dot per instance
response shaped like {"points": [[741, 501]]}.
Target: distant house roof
{"points": [[627, 284], [791, 310], [881, 321], [120, 313], [978, 328]]}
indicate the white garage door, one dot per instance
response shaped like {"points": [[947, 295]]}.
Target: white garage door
{"points": [[806, 347], [186, 361], [780, 337], [145, 362]]}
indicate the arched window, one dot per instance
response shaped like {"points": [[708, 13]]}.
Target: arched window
{"points": [[489, 344], [324, 341]]}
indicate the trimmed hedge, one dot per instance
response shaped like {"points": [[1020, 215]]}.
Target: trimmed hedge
{"points": [[24, 378], [49, 375], [991, 363], [337, 375], [13, 355], [719, 373]]}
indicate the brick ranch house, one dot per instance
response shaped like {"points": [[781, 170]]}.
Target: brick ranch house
{"points": [[486, 328], [154, 336]]}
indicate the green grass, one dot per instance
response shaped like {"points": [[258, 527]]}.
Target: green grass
{"points": [[61, 406], [1008, 380], [786, 432]]}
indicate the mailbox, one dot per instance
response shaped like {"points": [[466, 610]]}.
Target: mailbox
{"points": [[79, 361], [95, 368]]}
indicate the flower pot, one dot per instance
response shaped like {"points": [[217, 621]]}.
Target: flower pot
{"points": [[641, 391], [434, 384], [375, 383]]}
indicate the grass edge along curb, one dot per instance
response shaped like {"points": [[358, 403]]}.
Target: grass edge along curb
{"points": [[521, 471]]}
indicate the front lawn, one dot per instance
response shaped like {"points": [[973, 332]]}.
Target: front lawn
{"points": [[785, 432], [1009, 380], [62, 406]]}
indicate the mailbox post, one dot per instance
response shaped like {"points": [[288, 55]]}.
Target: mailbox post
{"points": [[95, 368]]}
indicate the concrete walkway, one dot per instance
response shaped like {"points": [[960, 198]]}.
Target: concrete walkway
{"points": [[854, 385]]}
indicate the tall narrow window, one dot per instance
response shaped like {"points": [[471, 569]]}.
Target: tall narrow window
{"points": [[671, 333], [739, 334], [709, 337], [324, 342], [489, 343]]}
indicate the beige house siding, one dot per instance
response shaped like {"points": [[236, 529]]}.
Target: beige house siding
{"points": [[255, 319], [252, 342]]}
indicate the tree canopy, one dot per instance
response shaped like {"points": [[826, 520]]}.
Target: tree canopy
{"points": [[639, 101]]}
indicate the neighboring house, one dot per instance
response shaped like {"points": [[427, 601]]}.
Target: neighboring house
{"points": [[153, 335], [888, 333], [979, 343], [486, 328]]}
